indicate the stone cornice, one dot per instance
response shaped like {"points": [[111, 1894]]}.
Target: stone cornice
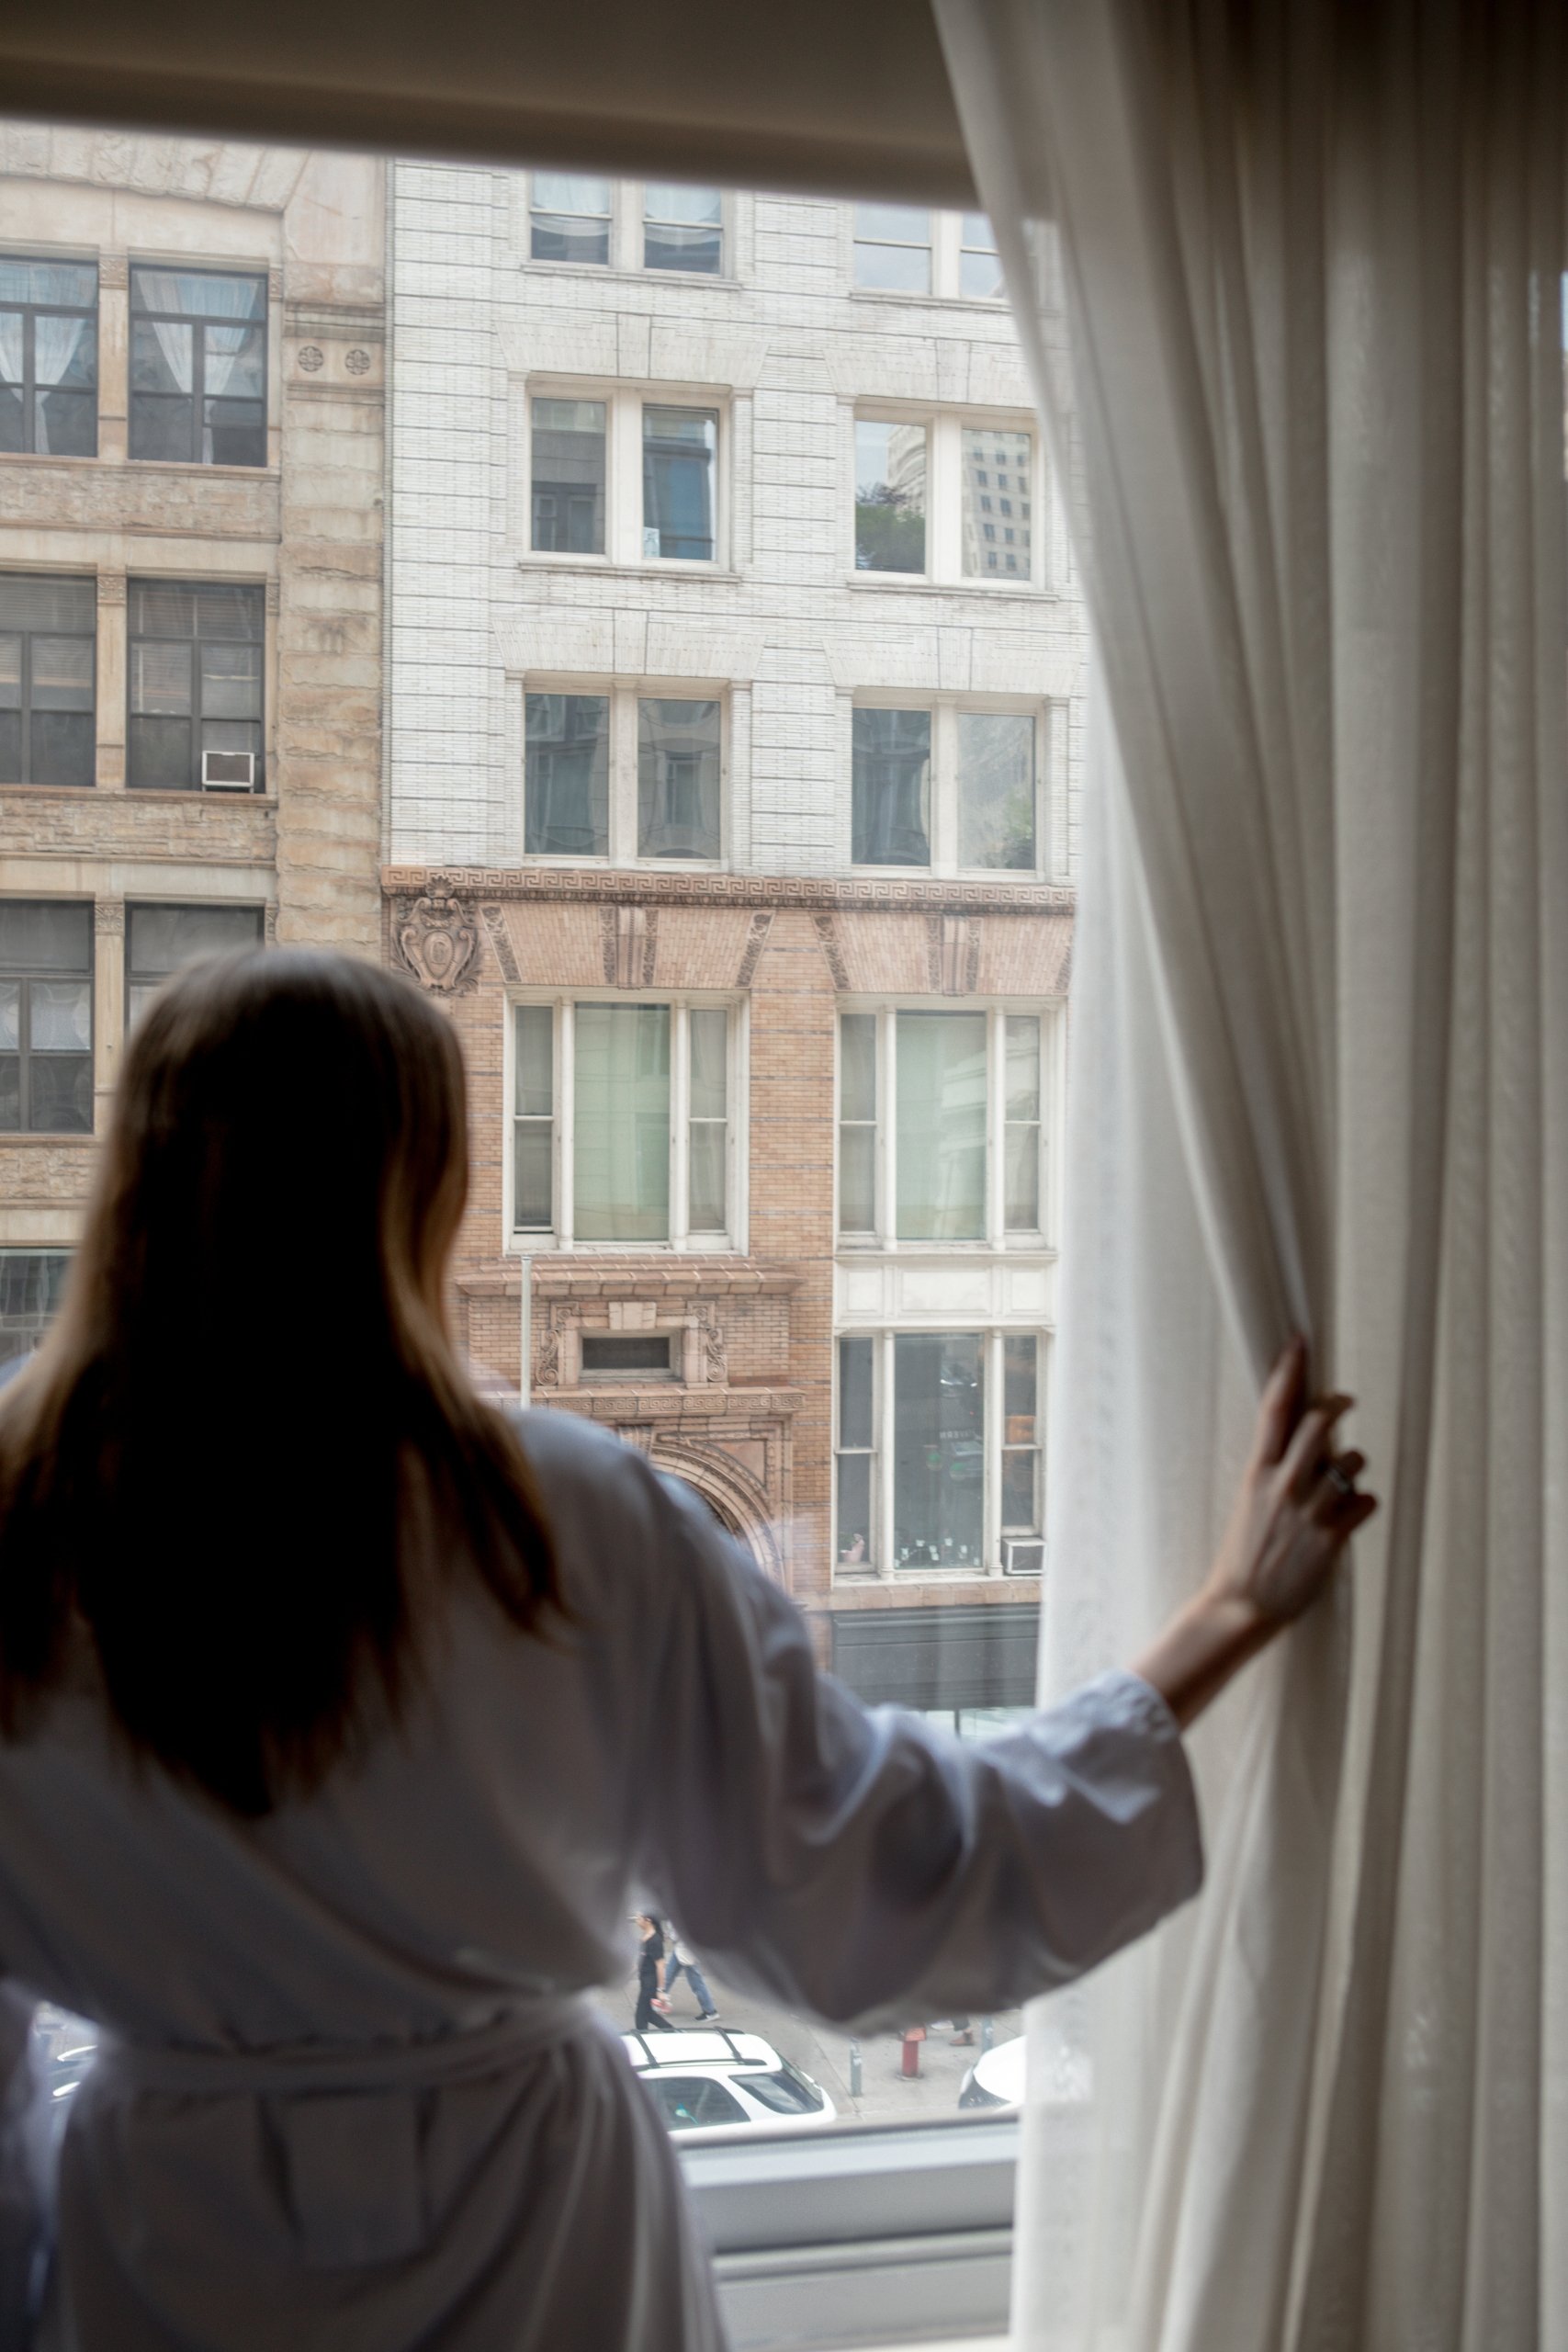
{"points": [[560, 1275], [620, 885]]}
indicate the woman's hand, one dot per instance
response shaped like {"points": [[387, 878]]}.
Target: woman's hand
{"points": [[1297, 1507]]}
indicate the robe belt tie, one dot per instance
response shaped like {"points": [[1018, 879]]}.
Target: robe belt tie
{"points": [[348, 2119]]}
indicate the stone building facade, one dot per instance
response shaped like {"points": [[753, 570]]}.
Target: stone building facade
{"points": [[732, 810], [192, 347]]}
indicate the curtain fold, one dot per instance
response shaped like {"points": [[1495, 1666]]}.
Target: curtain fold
{"points": [[1290, 276]]}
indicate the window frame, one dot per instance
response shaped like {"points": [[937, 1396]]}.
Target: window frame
{"points": [[879, 1565], [945, 710], [624, 699], [31, 313], [997, 1238], [628, 218], [188, 267], [88, 581], [7, 1329], [946, 248], [623, 406], [256, 588], [944, 428], [560, 1237], [27, 980], [133, 907]]}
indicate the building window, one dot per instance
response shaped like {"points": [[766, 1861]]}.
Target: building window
{"points": [[195, 685], [680, 501], [619, 479], [158, 940], [568, 219], [980, 265], [890, 496], [893, 248], [624, 1131], [938, 1460], [941, 1135], [901, 249], [198, 366], [633, 1356], [32, 1283], [622, 775], [682, 229], [46, 1018], [954, 789], [48, 639], [998, 502], [569, 474], [948, 498], [49, 357]]}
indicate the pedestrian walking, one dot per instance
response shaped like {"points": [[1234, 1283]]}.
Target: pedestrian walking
{"points": [[650, 1977], [683, 1960]]}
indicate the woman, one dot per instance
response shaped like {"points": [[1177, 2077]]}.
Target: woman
{"points": [[649, 1973], [340, 1719]]}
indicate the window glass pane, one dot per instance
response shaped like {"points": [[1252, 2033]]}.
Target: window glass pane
{"points": [[62, 673], [160, 755], [709, 1045], [1023, 1066], [10, 673], [60, 1090], [996, 788], [683, 228], [230, 680], [160, 677], [890, 496], [570, 218], [979, 267], [705, 1158], [32, 1283], [535, 1061], [621, 1134], [857, 1180], [693, 2104], [680, 448], [1020, 1388], [609, 1356], [163, 357], [61, 747], [938, 1452], [786, 2092], [890, 792], [893, 248], [232, 612], [1022, 1178], [533, 1207], [678, 778], [61, 1018], [568, 477], [199, 294], [856, 1548], [997, 508], [37, 936], [70, 284], [567, 775], [30, 601], [160, 939], [857, 1066], [941, 1146], [234, 433], [856, 1375], [13, 398], [10, 1016], [235, 362]]}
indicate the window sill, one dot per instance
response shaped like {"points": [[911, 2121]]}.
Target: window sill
{"points": [[50, 458], [599, 566], [992, 876], [194, 791], [993, 305], [918, 583], [51, 1135], [602, 273], [196, 466]]}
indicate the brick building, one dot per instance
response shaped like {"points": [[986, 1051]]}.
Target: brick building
{"points": [[192, 338], [734, 703]]}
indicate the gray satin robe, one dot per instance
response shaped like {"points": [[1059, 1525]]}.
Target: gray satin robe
{"points": [[350, 2096]]}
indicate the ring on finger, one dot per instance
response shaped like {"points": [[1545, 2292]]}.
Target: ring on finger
{"points": [[1341, 1480]]}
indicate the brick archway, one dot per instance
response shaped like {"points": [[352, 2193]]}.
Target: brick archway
{"points": [[737, 1499]]}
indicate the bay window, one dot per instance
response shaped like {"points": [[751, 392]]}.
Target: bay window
{"points": [[937, 1456], [951, 787], [940, 1134], [622, 775], [623, 1127], [949, 498], [619, 476]]}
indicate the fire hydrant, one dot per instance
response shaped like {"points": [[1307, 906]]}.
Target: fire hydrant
{"points": [[909, 2062]]}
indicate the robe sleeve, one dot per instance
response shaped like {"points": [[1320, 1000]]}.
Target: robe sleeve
{"points": [[23, 2146], [861, 1865]]}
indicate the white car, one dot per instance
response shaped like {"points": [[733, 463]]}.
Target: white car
{"points": [[997, 2077], [715, 2081]]}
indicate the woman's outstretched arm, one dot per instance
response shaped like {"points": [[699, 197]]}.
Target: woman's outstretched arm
{"points": [[1297, 1507]]}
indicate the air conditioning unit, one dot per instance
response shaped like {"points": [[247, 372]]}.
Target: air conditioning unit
{"points": [[228, 771], [1024, 1556]]}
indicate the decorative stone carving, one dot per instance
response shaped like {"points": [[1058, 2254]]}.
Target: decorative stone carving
{"points": [[108, 918], [547, 1353], [757, 932], [952, 954], [629, 940], [274, 596], [358, 362], [438, 941], [828, 932], [495, 927], [111, 587], [714, 1353], [771, 891], [114, 273], [311, 356]]}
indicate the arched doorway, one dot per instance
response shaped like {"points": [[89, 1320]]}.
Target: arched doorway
{"points": [[736, 1498]]}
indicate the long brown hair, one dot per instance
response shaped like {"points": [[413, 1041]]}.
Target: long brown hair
{"points": [[211, 1472]]}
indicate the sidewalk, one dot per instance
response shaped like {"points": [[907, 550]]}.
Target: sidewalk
{"points": [[823, 2052]]}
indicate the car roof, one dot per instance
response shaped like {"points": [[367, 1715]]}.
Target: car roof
{"points": [[653, 2053]]}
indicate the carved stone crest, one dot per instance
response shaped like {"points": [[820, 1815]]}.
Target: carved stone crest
{"points": [[438, 939]]}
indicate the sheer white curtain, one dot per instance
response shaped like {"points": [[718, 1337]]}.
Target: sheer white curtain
{"points": [[1290, 275]]}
